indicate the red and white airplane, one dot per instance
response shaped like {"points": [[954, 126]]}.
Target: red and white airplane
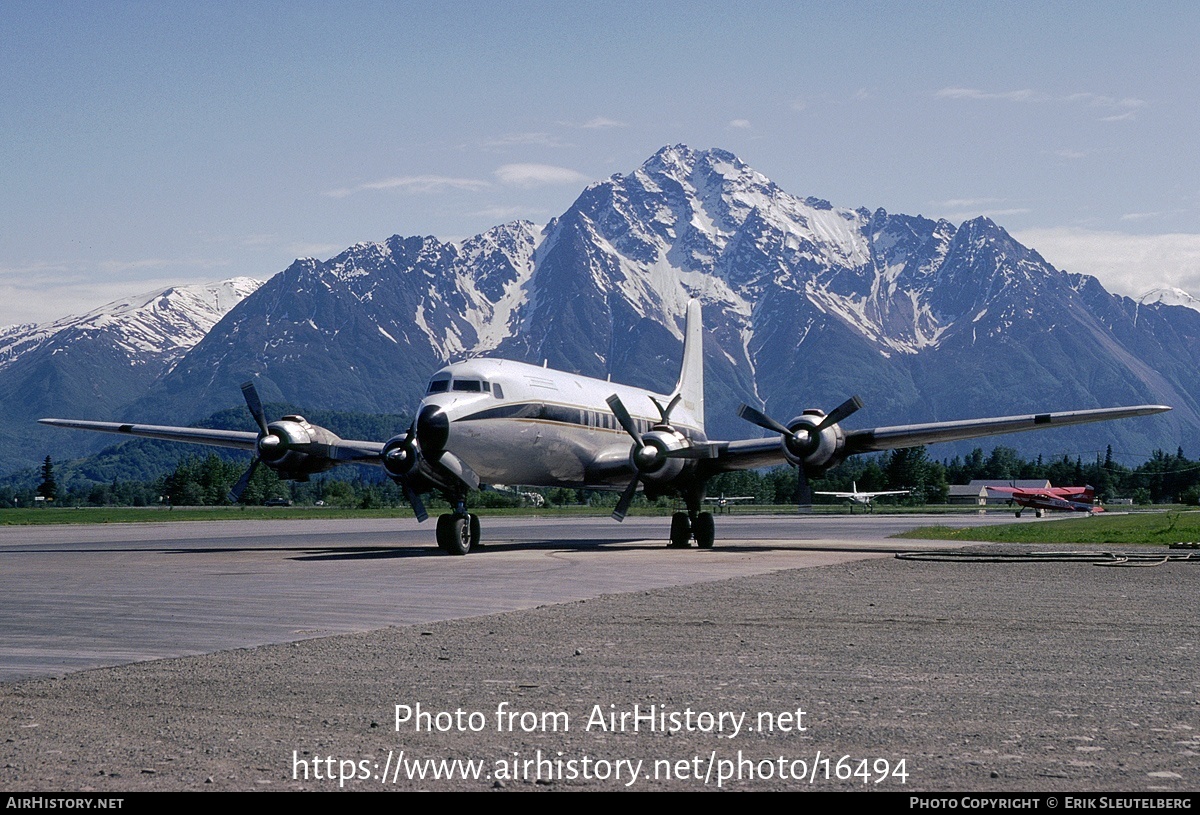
{"points": [[1061, 499]]}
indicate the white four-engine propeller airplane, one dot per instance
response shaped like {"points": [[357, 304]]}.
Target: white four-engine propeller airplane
{"points": [[499, 421]]}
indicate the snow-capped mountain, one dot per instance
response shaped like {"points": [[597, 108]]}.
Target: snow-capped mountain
{"points": [[805, 303], [98, 362], [155, 327], [1169, 296]]}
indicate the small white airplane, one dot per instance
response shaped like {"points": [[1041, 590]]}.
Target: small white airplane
{"points": [[861, 498], [499, 421], [723, 501]]}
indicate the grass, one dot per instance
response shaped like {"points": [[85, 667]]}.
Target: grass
{"points": [[1162, 527]]}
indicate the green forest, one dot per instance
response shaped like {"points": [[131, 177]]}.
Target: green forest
{"points": [[205, 480]]}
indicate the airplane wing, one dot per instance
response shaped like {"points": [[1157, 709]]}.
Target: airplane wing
{"points": [[241, 440], [365, 452], [891, 438], [750, 454]]}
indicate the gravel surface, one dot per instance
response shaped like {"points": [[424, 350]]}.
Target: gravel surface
{"points": [[958, 676]]}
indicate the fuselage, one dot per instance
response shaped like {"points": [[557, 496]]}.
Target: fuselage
{"points": [[515, 423]]}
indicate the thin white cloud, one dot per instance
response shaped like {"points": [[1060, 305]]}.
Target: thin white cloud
{"points": [[1070, 154], [116, 267], [1120, 108], [964, 209], [742, 124], [968, 214], [1125, 263], [413, 183], [537, 175], [1024, 95], [44, 299], [966, 203], [599, 122], [314, 250], [539, 139]]}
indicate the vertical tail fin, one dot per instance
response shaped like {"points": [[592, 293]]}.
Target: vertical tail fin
{"points": [[691, 373]]}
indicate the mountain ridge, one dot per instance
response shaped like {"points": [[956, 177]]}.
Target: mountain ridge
{"points": [[805, 303]]}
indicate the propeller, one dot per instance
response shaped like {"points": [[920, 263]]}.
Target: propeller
{"points": [[401, 461], [646, 457], [803, 440], [266, 440]]}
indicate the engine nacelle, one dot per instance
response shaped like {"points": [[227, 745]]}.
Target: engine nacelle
{"points": [[401, 456], [812, 449], [295, 449], [651, 465]]}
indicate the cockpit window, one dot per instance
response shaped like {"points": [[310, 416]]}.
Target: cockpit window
{"points": [[470, 385], [439, 385], [497, 391]]}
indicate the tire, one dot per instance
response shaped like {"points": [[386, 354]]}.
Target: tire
{"points": [[475, 531], [444, 531], [705, 530], [459, 541], [681, 531], [454, 533]]}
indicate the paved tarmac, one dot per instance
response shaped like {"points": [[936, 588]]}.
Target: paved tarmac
{"points": [[76, 597], [893, 674]]}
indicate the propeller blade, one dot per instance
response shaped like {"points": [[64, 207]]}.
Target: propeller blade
{"points": [[618, 409], [415, 502], [235, 494], [803, 492], [665, 412], [762, 420], [626, 499], [840, 412], [255, 404]]}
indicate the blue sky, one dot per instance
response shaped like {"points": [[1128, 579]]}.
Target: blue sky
{"points": [[148, 144]]}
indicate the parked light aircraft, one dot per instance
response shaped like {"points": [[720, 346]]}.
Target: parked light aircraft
{"points": [[861, 498], [1062, 499], [499, 421], [723, 501]]}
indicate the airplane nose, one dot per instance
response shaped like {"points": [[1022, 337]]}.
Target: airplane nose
{"points": [[433, 430]]}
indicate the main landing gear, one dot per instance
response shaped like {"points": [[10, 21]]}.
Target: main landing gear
{"points": [[458, 531], [685, 526]]}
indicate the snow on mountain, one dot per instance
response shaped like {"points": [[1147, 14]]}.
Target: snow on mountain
{"points": [[1169, 296], [160, 325]]}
